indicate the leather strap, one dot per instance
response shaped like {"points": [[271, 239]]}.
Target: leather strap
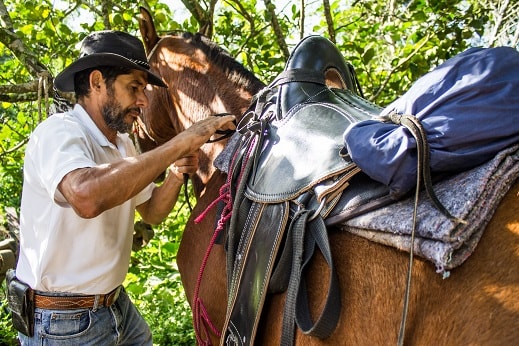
{"points": [[423, 166], [307, 234], [325, 323], [252, 271], [422, 173], [50, 302]]}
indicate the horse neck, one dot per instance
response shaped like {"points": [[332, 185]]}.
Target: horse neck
{"points": [[208, 154], [185, 113], [198, 88]]}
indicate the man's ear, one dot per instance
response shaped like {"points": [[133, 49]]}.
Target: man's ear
{"points": [[96, 80]]}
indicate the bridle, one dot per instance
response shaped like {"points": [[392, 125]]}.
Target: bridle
{"points": [[224, 133]]}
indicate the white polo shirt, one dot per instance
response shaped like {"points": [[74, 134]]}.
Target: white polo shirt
{"points": [[60, 251]]}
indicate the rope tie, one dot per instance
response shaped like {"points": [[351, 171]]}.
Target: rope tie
{"points": [[200, 316], [43, 93]]}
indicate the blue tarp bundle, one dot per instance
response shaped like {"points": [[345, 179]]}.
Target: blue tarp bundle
{"points": [[469, 108]]}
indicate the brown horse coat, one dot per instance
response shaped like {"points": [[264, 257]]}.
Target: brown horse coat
{"points": [[477, 305]]}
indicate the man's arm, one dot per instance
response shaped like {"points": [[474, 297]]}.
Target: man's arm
{"points": [[164, 197], [91, 191]]}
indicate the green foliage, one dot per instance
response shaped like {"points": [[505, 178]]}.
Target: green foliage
{"points": [[154, 285], [8, 336], [16, 125], [246, 35], [398, 45]]}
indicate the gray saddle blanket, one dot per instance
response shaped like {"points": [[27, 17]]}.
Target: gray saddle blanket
{"points": [[472, 195]]}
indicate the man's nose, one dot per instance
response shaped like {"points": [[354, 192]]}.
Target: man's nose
{"points": [[142, 99]]}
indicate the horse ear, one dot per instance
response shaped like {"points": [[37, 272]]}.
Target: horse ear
{"points": [[207, 29], [148, 31]]}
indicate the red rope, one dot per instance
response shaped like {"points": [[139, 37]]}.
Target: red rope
{"points": [[201, 318]]}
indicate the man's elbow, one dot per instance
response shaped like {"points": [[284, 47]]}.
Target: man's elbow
{"points": [[85, 205], [87, 213]]}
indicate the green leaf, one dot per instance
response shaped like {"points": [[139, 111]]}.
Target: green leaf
{"points": [[368, 55], [170, 247], [117, 19]]}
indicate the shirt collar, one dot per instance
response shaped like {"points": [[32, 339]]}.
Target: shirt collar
{"points": [[87, 121]]}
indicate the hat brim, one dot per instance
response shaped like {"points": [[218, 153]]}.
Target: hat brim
{"points": [[64, 81]]}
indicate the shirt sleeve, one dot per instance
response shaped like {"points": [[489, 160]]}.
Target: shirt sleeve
{"points": [[57, 147], [145, 194]]}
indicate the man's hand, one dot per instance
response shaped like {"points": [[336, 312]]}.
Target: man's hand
{"points": [[201, 131], [186, 165]]}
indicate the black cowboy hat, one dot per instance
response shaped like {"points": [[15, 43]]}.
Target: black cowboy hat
{"points": [[107, 48]]}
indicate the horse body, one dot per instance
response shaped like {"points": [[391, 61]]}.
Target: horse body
{"points": [[477, 305]]}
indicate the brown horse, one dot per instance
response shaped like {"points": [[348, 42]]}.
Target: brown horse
{"points": [[477, 305]]}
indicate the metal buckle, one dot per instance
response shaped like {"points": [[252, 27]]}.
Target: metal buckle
{"points": [[316, 213]]}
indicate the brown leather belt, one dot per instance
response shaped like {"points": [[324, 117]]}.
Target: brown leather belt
{"points": [[43, 301]]}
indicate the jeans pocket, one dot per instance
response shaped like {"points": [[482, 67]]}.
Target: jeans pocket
{"points": [[63, 324]]}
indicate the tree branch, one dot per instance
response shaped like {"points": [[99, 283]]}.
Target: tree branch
{"points": [[499, 14], [13, 98], [16, 45], [329, 20], [280, 38], [27, 91], [15, 148], [204, 18], [302, 20], [106, 7], [397, 67], [237, 5], [19, 88]]}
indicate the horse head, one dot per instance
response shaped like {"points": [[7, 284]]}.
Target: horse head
{"points": [[203, 80]]}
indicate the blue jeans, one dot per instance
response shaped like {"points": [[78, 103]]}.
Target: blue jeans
{"points": [[119, 324]]}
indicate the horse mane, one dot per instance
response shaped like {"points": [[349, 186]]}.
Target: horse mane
{"points": [[235, 71]]}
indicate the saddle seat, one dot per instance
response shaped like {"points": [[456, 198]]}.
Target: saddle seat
{"points": [[319, 64], [307, 119]]}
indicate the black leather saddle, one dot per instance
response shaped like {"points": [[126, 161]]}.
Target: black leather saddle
{"points": [[288, 172], [299, 122]]}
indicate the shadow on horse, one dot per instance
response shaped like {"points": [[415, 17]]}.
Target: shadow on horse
{"points": [[477, 305]]}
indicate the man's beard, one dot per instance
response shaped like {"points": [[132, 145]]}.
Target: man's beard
{"points": [[114, 115]]}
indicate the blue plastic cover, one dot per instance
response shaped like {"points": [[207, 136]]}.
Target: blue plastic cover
{"points": [[469, 107]]}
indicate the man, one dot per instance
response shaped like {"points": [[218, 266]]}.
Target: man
{"points": [[83, 182]]}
